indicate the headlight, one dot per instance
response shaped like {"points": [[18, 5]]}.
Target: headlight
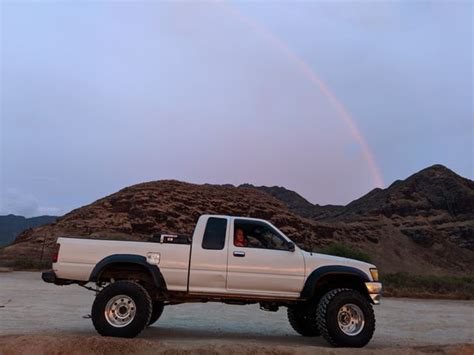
{"points": [[375, 274]]}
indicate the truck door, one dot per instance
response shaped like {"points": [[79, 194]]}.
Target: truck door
{"points": [[263, 263], [208, 264]]}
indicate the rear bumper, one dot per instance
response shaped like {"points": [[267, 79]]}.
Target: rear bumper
{"points": [[375, 291], [51, 278]]}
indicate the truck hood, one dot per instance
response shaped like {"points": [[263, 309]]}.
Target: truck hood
{"points": [[314, 261]]}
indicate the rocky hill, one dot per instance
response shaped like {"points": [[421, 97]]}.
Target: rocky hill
{"points": [[422, 225], [430, 191], [297, 203], [11, 226], [138, 211], [432, 206]]}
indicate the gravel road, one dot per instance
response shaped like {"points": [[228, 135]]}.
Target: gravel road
{"points": [[30, 306]]}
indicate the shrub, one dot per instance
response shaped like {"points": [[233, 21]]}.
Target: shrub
{"points": [[29, 264], [404, 284], [338, 249]]}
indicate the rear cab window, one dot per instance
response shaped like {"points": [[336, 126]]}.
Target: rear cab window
{"points": [[215, 234]]}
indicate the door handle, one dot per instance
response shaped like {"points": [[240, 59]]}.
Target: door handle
{"points": [[240, 254]]}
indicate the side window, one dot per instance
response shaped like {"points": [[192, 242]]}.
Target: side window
{"points": [[253, 234], [214, 235]]}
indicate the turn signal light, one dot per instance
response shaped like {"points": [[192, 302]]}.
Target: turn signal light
{"points": [[375, 274]]}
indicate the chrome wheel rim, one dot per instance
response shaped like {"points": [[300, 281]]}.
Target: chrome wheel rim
{"points": [[350, 319], [120, 311]]}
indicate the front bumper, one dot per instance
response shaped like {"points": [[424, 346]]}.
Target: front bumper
{"points": [[375, 291]]}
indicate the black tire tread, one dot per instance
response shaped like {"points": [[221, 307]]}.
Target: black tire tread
{"points": [[103, 328], [322, 312], [307, 328]]}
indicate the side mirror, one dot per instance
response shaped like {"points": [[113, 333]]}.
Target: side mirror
{"points": [[290, 246]]}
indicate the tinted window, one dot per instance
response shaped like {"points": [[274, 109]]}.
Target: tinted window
{"points": [[214, 235], [258, 235]]}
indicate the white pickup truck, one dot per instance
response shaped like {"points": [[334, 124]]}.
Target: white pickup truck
{"points": [[234, 260]]}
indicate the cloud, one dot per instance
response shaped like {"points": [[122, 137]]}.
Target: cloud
{"points": [[14, 201], [103, 96]]}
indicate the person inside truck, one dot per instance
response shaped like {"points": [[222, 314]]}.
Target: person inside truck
{"points": [[240, 240]]}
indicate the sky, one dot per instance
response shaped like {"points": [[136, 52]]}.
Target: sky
{"points": [[330, 99]]}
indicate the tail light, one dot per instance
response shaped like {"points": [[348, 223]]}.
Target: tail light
{"points": [[56, 253]]}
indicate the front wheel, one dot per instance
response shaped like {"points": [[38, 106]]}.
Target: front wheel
{"points": [[345, 318], [122, 309]]}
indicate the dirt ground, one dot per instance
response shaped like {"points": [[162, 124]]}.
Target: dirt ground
{"points": [[43, 318]]}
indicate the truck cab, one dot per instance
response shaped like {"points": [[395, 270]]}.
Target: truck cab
{"points": [[267, 264]]}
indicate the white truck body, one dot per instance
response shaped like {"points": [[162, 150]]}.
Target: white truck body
{"points": [[190, 268], [228, 259]]}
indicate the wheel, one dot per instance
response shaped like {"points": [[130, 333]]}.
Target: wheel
{"points": [[303, 320], [158, 307], [122, 309], [345, 318]]}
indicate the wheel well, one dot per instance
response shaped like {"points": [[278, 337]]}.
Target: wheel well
{"points": [[129, 271], [129, 267], [124, 271], [332, 281]]}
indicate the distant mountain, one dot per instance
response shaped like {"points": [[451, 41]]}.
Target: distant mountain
{"points": [[11, 226]]}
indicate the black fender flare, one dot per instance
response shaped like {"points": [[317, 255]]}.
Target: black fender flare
{"points": [[309, 288], [154, 270]]}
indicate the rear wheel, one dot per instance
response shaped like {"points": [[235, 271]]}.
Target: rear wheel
{"points": [[122, 309], [157, 311], [303, 320], [345, 318]]}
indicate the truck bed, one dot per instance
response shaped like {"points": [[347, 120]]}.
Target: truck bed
{"points": [[78, 256]]}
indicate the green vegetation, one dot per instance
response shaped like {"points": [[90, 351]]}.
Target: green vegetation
{"points": [[402, 284], [28, 264], [338, 249]]}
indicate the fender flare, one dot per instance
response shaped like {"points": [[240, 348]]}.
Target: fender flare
{"points": [[309, 288], [154, 270]]}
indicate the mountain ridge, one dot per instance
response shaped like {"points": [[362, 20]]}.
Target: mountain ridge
{"points": [[300, 205], [12, 225], [423, 224]]}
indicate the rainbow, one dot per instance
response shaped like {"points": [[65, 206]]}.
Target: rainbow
{"points": [[316, 80]]}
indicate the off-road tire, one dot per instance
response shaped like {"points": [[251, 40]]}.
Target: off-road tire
{"points": [[157, 311], [327, 313], [142, 316], [303, 320]]}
